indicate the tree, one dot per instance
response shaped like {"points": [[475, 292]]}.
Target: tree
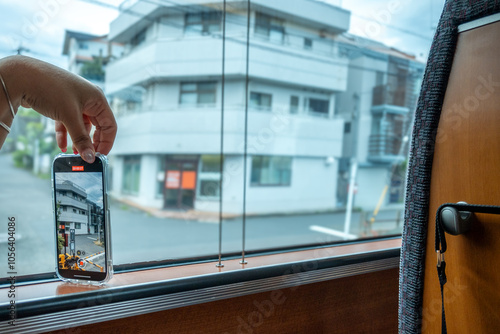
{"points": [[93, 70]]}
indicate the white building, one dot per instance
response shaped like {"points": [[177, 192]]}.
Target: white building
{"points": [[73, 208], [89, 54], [167, 95], [377, 106]]}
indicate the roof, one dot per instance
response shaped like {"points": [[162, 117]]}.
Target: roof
{"points": [[79, 36], [369, 47]]}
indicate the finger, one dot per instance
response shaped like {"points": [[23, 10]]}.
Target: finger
{"points": [[61, 136], [78, 130], [105, 132]]}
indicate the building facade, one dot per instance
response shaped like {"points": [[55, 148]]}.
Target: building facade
{"points": [[377, 107], [75, 211], [167, 93], [317, 101]]}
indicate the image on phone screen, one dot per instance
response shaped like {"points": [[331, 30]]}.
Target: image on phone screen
{"points": [[80, 214]]}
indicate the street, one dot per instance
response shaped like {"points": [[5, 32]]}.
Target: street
{"points": [[140, 237]]}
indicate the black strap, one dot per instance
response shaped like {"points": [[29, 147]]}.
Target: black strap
{"points": [[440, 243]]}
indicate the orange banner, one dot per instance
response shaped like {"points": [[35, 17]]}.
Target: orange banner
{"points": [[189, 180]]}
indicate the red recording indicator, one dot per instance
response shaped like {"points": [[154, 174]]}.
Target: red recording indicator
{"points": [[77, 168]]}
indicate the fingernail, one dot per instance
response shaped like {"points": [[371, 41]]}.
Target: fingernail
{"points": [[64, 150], [88, 155]]}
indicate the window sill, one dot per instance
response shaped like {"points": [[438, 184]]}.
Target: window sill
{"points": [[141, 292]]}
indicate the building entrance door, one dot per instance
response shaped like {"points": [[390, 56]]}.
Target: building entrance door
{"points": [[180, 184]]}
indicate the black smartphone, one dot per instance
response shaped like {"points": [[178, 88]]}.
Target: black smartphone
{"points": [[83, 235]]}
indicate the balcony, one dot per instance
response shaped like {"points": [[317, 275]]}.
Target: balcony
{"points": [[194, 58], [73, 217], [71, 202], [385, 148], [196, 130], [387, 95]]}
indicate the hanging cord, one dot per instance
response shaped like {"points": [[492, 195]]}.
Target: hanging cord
{"points": [[2, 124], [219, 264], [441, 246]]}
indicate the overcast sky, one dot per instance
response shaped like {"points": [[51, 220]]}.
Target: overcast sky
{"points": [[90, 181], [39, 24]]}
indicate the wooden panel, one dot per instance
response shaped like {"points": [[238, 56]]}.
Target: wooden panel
{"points": [[465, 168], [360, 304]]}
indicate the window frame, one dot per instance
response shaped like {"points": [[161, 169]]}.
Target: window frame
{"points": [[257, 95], [198, 91], [266, 24], [134, 160], [271, 164], [206, 21]]}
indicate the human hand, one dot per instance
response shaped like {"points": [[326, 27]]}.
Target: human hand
{"points": [[73, 102]]}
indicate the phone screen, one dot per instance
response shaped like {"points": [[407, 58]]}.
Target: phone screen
{"points": [[80, 217]]}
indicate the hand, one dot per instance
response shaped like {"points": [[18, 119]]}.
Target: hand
{"points": [[73, 102]]}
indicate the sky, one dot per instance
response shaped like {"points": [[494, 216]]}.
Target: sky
{"points": [[90, 181], [39, 25]]}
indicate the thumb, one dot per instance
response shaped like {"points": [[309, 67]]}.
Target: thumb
{"points": [[79, 133]]}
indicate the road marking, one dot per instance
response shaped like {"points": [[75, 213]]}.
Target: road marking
{"points": [[92, 238], [330, 231]]}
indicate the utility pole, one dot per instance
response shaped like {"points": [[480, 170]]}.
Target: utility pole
{"points": [[21, 49]]}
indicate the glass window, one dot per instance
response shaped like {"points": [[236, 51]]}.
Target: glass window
{"points": [[131, 174], [261, 100], [271, 171], [198, 93], [174, 123], [308, 43], [294, 104], [203, 23], [139, 38], [318, 106], [270, 27]]}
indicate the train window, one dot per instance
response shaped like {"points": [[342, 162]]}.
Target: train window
{"points": [[363, 73]]}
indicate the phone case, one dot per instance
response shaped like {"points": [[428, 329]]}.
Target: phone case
{"points": [[108, 252]]}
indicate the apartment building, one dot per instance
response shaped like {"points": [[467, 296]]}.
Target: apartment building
{"points": [[75, 210], [167, 95], [89, 54], [377, 106]]}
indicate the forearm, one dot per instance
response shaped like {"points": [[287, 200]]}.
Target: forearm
{"points": [[10, 93]]}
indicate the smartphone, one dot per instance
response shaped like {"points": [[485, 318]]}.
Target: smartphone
{"points": [[81, 214]]}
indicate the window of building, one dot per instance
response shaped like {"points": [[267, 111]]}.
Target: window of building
{"points": [[83, 45], [78, 226], [379, 79], [308, 43], [347, 127], [271, 171], [139, 38], [261, 101], [131, 174], [271, 27], [209, 176], [294, 104], [317, 106], [202, 23], [198, 93]]}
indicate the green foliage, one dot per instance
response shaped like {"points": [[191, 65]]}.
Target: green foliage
{"points": [[31, 133], [93, 70], [60, 243]]}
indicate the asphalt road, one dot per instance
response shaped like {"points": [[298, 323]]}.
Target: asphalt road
{"points": [[139, 237]]}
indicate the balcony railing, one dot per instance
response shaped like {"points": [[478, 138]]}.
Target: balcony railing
{"points": [[384, 148], [385, 94]]}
